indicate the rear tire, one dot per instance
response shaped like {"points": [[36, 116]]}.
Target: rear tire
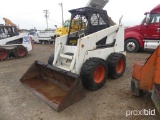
{"points": [[51, 42], [94, 73], [42, 42], [131, 45], [116, 64], [50, 59]]}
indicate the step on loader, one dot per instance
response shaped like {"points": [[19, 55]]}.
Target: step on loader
{"points": [[84, 58]]}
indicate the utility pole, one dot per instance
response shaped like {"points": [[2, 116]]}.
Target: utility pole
{"points": [[62, 12], [46, 12]]}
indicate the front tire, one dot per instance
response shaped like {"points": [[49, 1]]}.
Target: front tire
{"points": [[131, 45], [3, 54], [94, 73], [50, 59]]}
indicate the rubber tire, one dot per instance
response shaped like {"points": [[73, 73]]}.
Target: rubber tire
{"points": [[87, 73], [43, 42], [2, 49], [112, 62], [50, 59], [20, 47], [135, 42]]}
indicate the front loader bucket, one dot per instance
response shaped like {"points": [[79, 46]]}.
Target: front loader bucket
{"points": [[57, 87]]}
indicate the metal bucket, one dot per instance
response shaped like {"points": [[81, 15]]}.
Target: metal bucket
{"points": [[57, 87]]}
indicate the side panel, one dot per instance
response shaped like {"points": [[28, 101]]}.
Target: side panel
{"points": [[151, 44], [4, 41], [148, 72], [88, 43], [27, 42], [137, 70], [100, 53]]}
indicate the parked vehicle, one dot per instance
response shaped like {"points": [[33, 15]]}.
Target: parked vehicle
{"points": [[76, 25], [43, 36], [13, 44], [146, 35]]}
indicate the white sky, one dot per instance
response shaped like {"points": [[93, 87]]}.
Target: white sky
{"points": [[29, 13]]}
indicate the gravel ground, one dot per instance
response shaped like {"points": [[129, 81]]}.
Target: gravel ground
{"points": [[109, 103]]}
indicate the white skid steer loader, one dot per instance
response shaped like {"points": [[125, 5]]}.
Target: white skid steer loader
{"points": [[13, 45], [84, 58]]}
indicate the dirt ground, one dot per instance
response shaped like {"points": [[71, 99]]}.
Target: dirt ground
{"points": [[109, 103]]}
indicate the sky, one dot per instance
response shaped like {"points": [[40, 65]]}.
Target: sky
{"points": [[29, 14]]}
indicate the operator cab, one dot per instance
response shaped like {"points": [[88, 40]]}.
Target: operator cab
{"points": [[89, 20], [8, 31]]}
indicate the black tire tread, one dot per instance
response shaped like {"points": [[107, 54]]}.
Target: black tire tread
{"points": [[50, 59], [20, 47], [112, 62], [87, 69]]}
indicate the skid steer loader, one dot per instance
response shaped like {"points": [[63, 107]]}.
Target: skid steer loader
{"points": [[84, 58], [14, 45]]}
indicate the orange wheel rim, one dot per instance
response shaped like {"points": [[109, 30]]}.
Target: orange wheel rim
{"points": [[99, 74], [21, 52], [120, 66], [3, 54]]}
